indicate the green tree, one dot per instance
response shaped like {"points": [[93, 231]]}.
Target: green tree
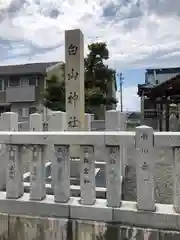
{"points": [[98, 78], [54, 96]]}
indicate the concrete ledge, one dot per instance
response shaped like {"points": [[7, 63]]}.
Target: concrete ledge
{"points": [[96, 212], [67, 138], [59, 138], [164, 217], [166, 139], [119, 137], [23, 206]]}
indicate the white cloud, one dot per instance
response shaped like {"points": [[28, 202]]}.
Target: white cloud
{"points": [[131, 101], [139, 33]]}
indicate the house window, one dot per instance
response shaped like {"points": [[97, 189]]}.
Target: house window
{"points": [[32, 81], [14, 82], [24, 82], [1, 85]]}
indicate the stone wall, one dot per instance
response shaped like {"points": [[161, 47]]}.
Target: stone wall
{"points": [[36, 228]]}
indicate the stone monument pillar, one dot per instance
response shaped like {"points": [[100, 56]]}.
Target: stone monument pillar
{"points": [[74, 79]]}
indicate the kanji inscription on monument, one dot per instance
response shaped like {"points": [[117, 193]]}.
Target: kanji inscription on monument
{"points": [[113, 173], [73, 122], [73, 75], [145, 165], [12, 166], [72, 49], [73, 97], [74, 56], [14, 183], [87, 175]]}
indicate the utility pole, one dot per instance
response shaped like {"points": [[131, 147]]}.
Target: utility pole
{"points": [[121, 78]]}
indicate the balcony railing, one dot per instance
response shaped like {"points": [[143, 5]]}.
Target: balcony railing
{"points": [[20, 94]]}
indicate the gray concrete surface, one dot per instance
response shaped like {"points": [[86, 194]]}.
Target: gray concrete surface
{"points": [[14, 227], [162, 177]]}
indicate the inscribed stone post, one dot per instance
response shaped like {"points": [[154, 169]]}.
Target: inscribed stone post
{"points": [[116, 121], [56, 122], [9, 122], [37, 164], [145, 165], [14, 182], [14, 177], [60, 174], [113, 176], [87, 175], [74, 57]]}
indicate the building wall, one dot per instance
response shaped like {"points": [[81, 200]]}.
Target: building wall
{"points": [[4, 84], [151, 78]]}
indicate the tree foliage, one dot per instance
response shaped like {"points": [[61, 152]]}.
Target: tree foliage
{"points": [[98, 78]]}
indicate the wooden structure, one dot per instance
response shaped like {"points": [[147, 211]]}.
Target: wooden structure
{"points": [[159, 99]]}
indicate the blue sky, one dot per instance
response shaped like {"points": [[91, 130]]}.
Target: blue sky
{"points": [[132, 77], [139, 34]]}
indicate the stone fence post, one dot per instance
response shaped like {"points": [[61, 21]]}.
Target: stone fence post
{"points": [[116, 121], [14, 173], [9, 122], [37, 163], [145, 164], [173, 123], [75, 151], [59, 155]]}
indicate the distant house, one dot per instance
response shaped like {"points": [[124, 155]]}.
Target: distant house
{"points": [[160, 90], [21, 87]]}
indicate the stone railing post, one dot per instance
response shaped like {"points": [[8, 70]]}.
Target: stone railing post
{"points": [[87, 175], [145, 164], [176, 179], [75, 150], [61, 174], [14, 177], [14, 183], [37, 163], [113, 176], [56, 122], [173, 123], [9, 122], [87, 122], [116, 121]]}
